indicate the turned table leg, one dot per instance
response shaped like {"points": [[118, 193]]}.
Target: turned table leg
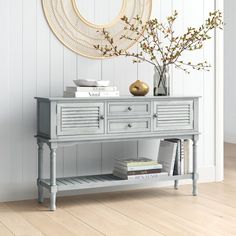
{"points": [[40, 171], [53, 184], [195, 175]]}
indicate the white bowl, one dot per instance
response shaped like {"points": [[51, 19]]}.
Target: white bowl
{"points": [[91, 83]]}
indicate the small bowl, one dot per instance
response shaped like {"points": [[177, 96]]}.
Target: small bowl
{"points": [[91, 83]]}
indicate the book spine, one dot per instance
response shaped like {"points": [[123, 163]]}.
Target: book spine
{"points": [[142, 176], [146, 176], [137, 168], [98, 94], [135, 164], [90, 89], [92, 94], [139, 172]]}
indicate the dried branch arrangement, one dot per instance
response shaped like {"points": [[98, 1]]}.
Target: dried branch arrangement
{"points": [[159, 44]]}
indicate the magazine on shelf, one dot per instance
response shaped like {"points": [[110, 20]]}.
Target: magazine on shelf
{"points": [[167, 155]]}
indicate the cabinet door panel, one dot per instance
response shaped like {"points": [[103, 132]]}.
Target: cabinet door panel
{"points": [[173, 115], [80, 119]]}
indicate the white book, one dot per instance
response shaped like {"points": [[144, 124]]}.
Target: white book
{"points": [[137, 168], [92, 94], [166, 156], [74, 89], [136, 177]]}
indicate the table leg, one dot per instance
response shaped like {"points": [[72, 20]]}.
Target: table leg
{"points": [[40, 171], [53, 187], [176, 185], [195, 175]]}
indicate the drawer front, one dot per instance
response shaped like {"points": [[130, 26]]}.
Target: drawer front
{"points": [[129, 125], [129, 108], [173, 115], [80, 119]]}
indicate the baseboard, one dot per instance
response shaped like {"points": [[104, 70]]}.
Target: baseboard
{"points": [[26, 191], [229, 139]]}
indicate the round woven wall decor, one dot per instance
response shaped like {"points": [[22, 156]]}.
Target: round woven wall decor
{"points": [[79, 35]]}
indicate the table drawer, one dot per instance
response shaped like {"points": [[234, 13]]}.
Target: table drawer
{"points": [[129, 125], [129, 108]]}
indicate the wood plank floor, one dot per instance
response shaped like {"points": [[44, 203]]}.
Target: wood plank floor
{"points": [[141, 212]]}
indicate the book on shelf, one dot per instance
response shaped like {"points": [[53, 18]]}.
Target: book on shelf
{"points": [[137, 172], [179, 159], [188, 156], [73, 89], [137, 168], [134, 162], [92, 94], [167, 155], [141, 176]]}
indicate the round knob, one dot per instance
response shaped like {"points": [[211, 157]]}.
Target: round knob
{"points": [[102, 117], [155, 115], [130, 125], [129, 108]]}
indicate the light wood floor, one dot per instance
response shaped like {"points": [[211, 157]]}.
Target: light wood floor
{"points": [[141, 212]]}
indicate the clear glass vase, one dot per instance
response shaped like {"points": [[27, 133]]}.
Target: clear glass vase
{"points": [[161, 81]]}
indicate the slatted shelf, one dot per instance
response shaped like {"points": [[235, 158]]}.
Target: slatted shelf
{"points": [[107, 180]]}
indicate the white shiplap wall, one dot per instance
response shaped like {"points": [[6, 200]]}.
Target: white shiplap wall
{"points": [[34, 63], [229, 75]]}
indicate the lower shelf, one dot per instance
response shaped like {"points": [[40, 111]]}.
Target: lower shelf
{"points": [[107, 180]]}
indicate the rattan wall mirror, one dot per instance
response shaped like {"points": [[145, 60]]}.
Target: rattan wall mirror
{"points": [[76, 26]]}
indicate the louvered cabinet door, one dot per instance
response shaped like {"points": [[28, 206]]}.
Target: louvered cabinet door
{"points": [[173, 115], [80, 118]]}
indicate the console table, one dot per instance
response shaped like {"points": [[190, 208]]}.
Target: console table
{"points": [[69, 121]]}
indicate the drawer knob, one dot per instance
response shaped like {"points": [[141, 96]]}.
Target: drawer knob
{"points": [[130, 125], [155, 115], [130, 108], [102, 117]]}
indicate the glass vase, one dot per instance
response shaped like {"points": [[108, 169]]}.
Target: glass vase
{"points": [[161, 81]]}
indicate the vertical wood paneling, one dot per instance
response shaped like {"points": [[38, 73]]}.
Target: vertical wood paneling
{"points": [[209, 95], [33, 62], [193, 82], [5, 167], [29, 89], [16, 84]]}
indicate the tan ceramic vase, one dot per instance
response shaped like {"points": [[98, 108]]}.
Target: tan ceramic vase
{"points": [[139, 88]]}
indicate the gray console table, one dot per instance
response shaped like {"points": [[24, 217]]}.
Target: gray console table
{"points": [[69, 121]]}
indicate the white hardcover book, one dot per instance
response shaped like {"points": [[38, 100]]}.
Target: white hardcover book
{"points": [[136, 177], [137, 168], [188, 156], [166, 156], [74, 89], [92, 94]]}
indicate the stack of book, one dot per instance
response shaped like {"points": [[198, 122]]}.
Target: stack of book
{"points": [[141, 168], [109, 91], [176, 156]]}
